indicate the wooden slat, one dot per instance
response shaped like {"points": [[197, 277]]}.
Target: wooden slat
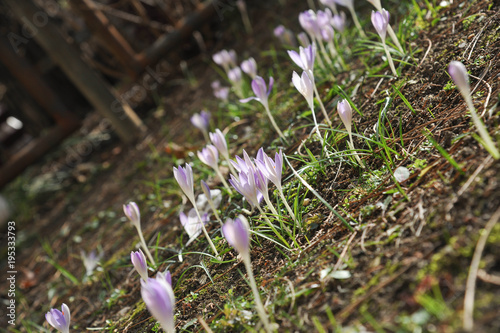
{"points": [[124, 120]]}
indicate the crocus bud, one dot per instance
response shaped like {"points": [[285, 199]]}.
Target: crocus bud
{"points": [[308, 22], [60, 320], [305, 58], [234, 75], [139, 261], [245, 185], [220, 92], [213, 196], [249, 66], [323, 18], [305, 86], [303, 39], [459, 75], [219, 141], [90, 261], [272, 170], [380, 21], [345, 112], [209, 156], [237, 234], [261, 91], [327, 33], [338, 22], [279, 31], [159, 298], [184, 177], [225, 58], [201, 120], [132, 212]]}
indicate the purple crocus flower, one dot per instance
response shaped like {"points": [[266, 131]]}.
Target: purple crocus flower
{"points": [[272, 170], [240, 164], [338, 22], [207, 191], [220, 92], [159, 298], [191, 224], [305, 86], [212, 197], [235, 76], [90, 261], [261, 91], [308, 22], [260, 155], [237, 234], [380, 20], [303, 39], [225, 59], [262, 95], [279, 31], [249, 66], [60, 320], [327, 33], [201, 120], [245, 185], [345, 112], [459, 75], [219, 141], [209, 156], [139, 261], [305, 58], [131, 210], [285, 35], [184, 177], [323, 18]]}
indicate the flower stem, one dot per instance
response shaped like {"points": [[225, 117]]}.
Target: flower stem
{"points": [[311, 76], [325, 54], [276, 128], [270, 205], [145, 247], [231, 168], [389, 58], [355, 153], [394, 38], [488, 143], [211, 203], [320, 61], [258, 302], [272, 227], [219, 174], [206, 233], [335, 54], [356, 22], [288, 208], [205, 136], [321, 105]]}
